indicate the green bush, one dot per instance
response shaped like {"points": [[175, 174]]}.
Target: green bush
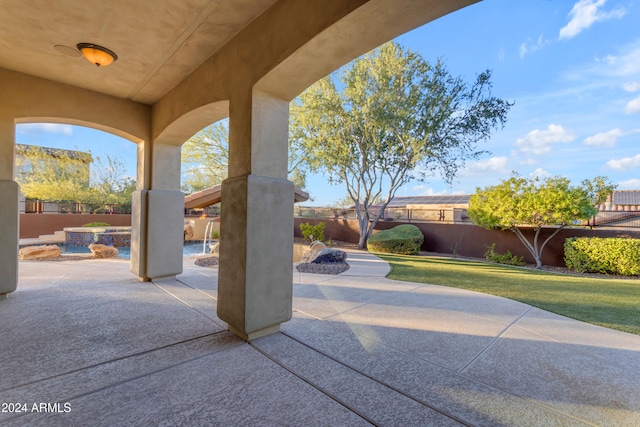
{"points": [[404, 239], [506, 258], [313, 232], [603, 255], [96, 224]]}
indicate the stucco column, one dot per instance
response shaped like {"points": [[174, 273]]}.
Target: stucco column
{"points": [[9, 227], [256, 231], [157, 219]]}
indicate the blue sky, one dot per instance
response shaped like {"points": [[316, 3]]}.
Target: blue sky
{"points": [[571, 67]]}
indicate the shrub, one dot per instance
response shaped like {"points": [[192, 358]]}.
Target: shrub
{"points": [[96, 224], [506, 258], [404, 239], [603, 255], [313, 232]]}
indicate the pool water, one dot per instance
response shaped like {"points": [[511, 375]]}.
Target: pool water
{"points": [[189, 249]]}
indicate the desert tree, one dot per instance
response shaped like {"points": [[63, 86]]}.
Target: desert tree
{"points": [[205, 158], [519, 203], [389, 118]]}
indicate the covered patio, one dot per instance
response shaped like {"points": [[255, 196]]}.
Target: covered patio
{"points": [[178, 67], [360, 350], [159, 341]]}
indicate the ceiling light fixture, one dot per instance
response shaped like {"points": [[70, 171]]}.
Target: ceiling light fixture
{"points": [[98, 55]]}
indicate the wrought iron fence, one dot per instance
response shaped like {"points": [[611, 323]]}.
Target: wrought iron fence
{"points": [[207, 211], [451, 215], [66, 207], [626, 219]]}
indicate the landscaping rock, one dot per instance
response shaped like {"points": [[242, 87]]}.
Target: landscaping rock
{"points": [[317, 246], [188, 231], [328, 256], [214, 248], [39, 252], [103, 251], [324, 261]]}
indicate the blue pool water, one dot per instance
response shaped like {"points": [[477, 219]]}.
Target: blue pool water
{"points": [[189, 249]]}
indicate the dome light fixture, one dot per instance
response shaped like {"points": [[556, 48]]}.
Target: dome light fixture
{"points": [[98, 55]]}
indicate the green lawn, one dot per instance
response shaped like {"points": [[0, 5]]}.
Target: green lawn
{"points": [[612, 303]]}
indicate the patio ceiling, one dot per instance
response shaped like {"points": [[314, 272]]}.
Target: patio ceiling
{"points": [[158, 43]]}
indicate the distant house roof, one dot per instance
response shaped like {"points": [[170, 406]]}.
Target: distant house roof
{"points": [[56, 152], [212, 195], [626, 197]]}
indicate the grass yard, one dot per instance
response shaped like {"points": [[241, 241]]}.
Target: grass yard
{"points": [[608, 302]]}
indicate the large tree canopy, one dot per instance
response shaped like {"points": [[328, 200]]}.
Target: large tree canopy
{"points": [[205, 158], [389, 118], [65, 175], [519, 203]]}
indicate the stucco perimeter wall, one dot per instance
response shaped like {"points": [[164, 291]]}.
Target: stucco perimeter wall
{"points": [[34, 225], [468, 239]]}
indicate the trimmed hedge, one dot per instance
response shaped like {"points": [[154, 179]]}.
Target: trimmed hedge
{"points": [[603, 255], [404, 239]]}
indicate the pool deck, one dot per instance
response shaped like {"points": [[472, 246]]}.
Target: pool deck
{"points": [[97, 347]]}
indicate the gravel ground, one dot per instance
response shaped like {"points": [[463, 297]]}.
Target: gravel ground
{"points": [[337, 268], [207, 261]]}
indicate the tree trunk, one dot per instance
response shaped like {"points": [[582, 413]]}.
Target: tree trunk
{"points": [[363, 223], [362, 241], [538, 258]]}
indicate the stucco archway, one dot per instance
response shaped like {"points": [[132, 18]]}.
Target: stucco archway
{"points": [[256, 55]]}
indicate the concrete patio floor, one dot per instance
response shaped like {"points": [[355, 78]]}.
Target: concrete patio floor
{"points": [[99, 348]]}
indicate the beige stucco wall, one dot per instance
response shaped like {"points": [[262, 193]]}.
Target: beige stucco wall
{"points": [[288, 48], [27, 99]]}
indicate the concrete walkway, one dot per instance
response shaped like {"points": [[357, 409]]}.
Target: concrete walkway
{"points": [[85, 343]]}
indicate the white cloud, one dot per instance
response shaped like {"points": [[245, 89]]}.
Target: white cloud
{"points": [[604, 139], [541, 141], [619, 70], [625, 163], [493, 165], [422, 190], [625, 64], [45, 127], [539, 173], [630, 184], [633, 106], [531, 46], [584, 14], [523, 50]]}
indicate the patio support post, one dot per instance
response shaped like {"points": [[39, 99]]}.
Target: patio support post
{"points": [[9, 213], [256, 241], [157, 223]]}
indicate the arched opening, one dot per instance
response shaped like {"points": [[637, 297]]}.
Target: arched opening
{"points": [[72, 174]]}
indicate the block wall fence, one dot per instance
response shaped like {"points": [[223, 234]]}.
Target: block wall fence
{"points": [[463, 239], [34, 225], [468, 239]]}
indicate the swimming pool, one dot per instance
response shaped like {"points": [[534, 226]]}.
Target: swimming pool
{"points": [[189, 249]]}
